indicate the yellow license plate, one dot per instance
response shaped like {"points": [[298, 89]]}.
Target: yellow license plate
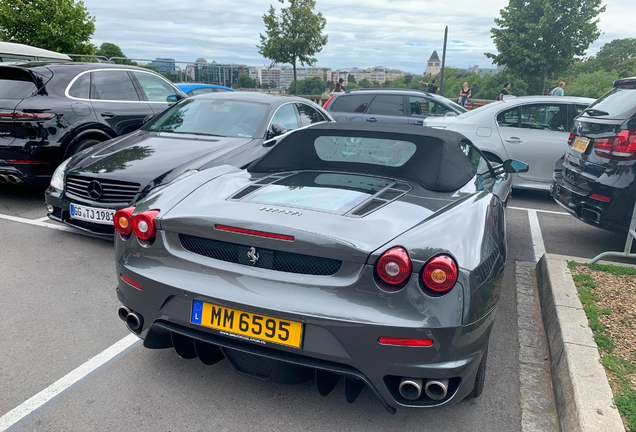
{"points": [[247, 326], [580, 144]]}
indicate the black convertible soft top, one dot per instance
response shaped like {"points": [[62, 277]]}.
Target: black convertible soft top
{"points": [[437, 164]]}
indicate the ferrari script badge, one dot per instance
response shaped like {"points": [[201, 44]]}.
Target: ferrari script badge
{"points": [[252, 255], [275, 210]]}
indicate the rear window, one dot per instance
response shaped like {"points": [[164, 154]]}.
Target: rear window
{"points": [[618, 102], [351, 103], [373, 151], [16, 84]]}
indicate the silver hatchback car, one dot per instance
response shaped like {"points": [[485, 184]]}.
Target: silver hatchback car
{"points": [[532, 129]]}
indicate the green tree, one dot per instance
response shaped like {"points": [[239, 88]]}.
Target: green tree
{"points": [[351, 79], [264, 86], [592, 85], [293, 36], [626, 68], [365, 83], [312, 86], [615, 52], [151, 67], [63, 26], [540, 38], [110, 50], [244, 81]]}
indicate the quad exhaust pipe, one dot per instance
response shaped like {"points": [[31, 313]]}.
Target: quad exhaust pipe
{"points": [[13, 179], [4, 179], [411, 388], [133, 320]]}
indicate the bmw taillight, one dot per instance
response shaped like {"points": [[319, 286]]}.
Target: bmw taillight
{"points": [[440, 274], [394, 266], [144, 225], [327, 103], [619, 147], [124, 220], [571, 139]]}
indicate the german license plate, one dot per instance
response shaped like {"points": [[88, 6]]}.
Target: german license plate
{"points": [[247, 326], [580, 144], [92, 214]]}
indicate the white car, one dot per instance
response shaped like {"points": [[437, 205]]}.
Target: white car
{"points": [[532, 129]]}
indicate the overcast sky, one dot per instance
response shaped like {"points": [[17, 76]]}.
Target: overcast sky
{"points": [[394, 33]]}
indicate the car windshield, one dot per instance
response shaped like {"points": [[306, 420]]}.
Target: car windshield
{"points": [[476, 111], [614, 103], [455, 106], [212, 117]]}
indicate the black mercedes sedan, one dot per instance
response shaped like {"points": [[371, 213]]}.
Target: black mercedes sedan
{"points": [[50, 111], [372, 254], [231, 128]]}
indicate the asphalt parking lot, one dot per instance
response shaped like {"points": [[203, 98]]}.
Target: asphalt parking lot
{"points": [[68, 363]]}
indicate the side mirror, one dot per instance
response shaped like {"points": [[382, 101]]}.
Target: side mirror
{"points": [[148, 118], [512, 166], [451, 114], [172, 98], [275, 130]]}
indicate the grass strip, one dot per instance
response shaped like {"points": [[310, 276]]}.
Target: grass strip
{"points": [[617, 367]]}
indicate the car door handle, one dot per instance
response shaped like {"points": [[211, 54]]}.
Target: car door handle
{"points": [[107, 114], [419, 122], [513, 140], [372, 119]]}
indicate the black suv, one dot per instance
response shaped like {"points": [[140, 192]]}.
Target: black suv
{"points": [[388, 106], [596, 179], [50, 111]]}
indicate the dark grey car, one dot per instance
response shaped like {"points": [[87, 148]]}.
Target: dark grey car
{"points": [[371, 254], [390, 106]]}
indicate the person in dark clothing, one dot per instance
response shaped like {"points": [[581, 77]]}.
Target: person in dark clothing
{"points": [[464, 94], [339, 87], [432, 88], [503, 92]]}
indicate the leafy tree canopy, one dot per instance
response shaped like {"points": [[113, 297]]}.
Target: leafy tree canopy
{"points": [[616, 51], [351, 79], [294, 35], [244, 81], [540, 38], [110, 50], [63, 26]]}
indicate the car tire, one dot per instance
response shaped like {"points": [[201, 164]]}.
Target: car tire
{"points": [[492, 158], [480, 378], [81, 145]]}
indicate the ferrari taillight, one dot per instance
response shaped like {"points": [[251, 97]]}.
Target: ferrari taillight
{"points": [[144, 225], [440, 274], [124, 220], [394, 266]]}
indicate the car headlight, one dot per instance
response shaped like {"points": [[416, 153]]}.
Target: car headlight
{"points": [[57, 181]]}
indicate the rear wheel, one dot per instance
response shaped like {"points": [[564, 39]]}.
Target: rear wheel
{"points": [[480, 379], [81, 145]]}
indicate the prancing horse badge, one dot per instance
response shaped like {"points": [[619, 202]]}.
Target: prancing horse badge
{"points": [[252, 255]]}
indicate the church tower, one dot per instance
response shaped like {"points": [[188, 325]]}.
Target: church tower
{"points": [[433, 65]]}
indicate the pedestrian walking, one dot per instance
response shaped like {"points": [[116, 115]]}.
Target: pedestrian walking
{"points": [[558, 90], [464, 94], [504, 91], [324, 97], [432, 88]]}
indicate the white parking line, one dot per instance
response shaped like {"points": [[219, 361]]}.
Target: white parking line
{"points": [[535, 233], [61, 385], [542, 211], [42, 219], [50, 225]]}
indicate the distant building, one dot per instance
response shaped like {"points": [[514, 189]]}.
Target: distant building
{"points": [[164, 65], [433, 65], [378, 73], [287, 77], [482, 72], [214, 73]]}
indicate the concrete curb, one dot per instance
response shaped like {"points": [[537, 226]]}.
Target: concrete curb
{"points": [[583, 396]]}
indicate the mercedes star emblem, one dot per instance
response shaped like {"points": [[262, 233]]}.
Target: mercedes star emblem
{"points": [[252, 255], [95, 190]]}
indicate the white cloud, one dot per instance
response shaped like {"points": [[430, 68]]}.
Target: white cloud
{"points": [[394, 33]]}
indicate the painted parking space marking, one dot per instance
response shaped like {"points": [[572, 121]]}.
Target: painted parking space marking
{"points": [[538, 246], [67, 381], [542, 211], [50, 225]]}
